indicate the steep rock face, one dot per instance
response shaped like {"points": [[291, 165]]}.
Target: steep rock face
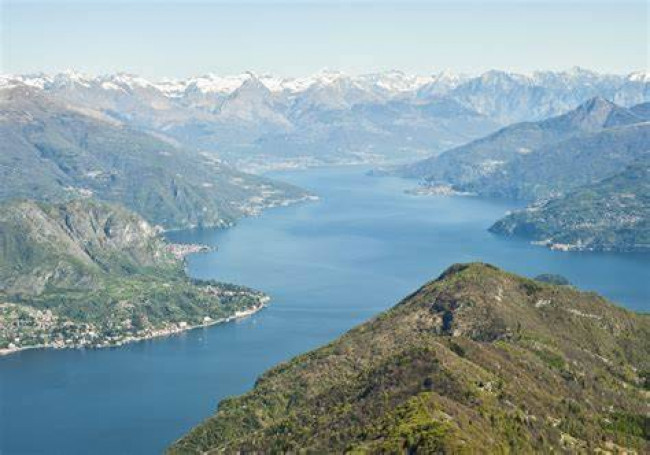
{"points": [[72, 245], [477, 361], [611, 215]]}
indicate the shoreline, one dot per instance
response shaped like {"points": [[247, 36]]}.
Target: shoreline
{"points": [[160, 333]]}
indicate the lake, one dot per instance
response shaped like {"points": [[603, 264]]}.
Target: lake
{"points": [[328, 265]]}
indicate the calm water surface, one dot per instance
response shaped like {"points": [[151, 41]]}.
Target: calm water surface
{"points": [[328, 266]]}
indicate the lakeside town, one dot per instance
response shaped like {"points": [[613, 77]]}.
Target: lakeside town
{"points": [[23, 327]]}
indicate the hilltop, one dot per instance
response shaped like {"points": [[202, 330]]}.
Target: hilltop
{"points": [[479, 360]]}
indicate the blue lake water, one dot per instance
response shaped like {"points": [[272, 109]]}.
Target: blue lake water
{"points": [[327, 265]]}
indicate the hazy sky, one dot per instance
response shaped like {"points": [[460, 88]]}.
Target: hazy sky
{"points": [[176, 39]]}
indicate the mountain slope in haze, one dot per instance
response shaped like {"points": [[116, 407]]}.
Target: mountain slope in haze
{"points": [[509, 97], [642, 110], [258, 122], [611, 215], [262, 121], [376, 132], [489, 157], [317, 133], [556, 169], [478, 361], [89, 273], [51, 151]]}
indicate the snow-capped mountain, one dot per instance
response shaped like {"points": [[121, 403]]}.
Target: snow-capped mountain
{"points": [[253, 102], [440, 84], [331, 116]]}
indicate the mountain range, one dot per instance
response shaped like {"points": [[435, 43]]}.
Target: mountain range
{"points": [[258, 121], [477, 361], [532, 160]]}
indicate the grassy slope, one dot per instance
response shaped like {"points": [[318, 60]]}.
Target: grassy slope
{"points": [[477, 361]]}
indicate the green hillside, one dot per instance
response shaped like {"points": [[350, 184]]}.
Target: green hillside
{"points": [[611, 215], [91, 273], [477, 361], [55, 152]]}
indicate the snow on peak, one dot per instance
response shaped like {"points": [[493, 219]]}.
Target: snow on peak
{"points": [[212, 83], [393, 81], [378, 85], [128, 80], [71, 77], [639, 76], [38, 81]]}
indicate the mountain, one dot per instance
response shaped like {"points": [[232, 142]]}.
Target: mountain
{"points": [[88, 273], [610, 215], [332, 121], [375, 132], [262, 121], [538, 159], [72, 245], [252, 102], [556, 169], [477, 361], [510, 97], [54, 151], [642, 110]]}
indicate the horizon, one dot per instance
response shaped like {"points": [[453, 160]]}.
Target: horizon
{"points": [[298, 38], [269, 74]]}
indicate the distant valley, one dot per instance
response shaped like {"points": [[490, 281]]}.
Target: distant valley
{"points": [[260, 122]]}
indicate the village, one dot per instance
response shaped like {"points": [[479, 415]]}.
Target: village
{"points": [[24, 327]]}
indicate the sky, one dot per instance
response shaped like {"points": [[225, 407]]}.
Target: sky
{"points": [[165, 38]]}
